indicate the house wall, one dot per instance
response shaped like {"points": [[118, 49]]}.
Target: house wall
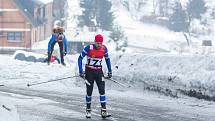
{"points": [[12, 20]]}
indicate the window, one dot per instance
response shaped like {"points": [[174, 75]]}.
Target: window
{"points": [[18, 36], [1, 13], [14, 36], [1, 34], [10, 36]]}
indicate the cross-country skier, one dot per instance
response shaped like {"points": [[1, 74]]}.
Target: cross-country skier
{"points": [[93, 72], [60, 38]]}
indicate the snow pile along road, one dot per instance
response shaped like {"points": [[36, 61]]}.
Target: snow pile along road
{"points": [[170, 74]]}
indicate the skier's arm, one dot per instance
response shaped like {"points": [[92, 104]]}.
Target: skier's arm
{"points": [[107, 59], [50, 42], [80, 58]]}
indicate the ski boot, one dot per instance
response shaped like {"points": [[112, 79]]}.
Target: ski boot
{"points": [[48, 63], [88, 113], [104, 113], [63, 63]]}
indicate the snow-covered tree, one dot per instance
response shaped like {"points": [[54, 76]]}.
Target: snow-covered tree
{"points": [[88, 13], [59, 10], [196, 8], [118, 36], [178, 20], [104, 16], [96, 13]]}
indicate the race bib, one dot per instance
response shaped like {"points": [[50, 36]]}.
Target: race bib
{"points": [[94, 62], [60, 37]]}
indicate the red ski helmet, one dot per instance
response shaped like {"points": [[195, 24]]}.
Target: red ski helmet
{"points": [[98, 38]]}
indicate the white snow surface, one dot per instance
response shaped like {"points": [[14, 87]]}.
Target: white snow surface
{"points": [[8, 111], [46, 1], [136, 70], [185, 71], [140, 36], [136, 67]]}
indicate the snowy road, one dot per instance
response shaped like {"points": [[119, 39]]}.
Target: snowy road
{"points": [[37, 105], [64, 100]]}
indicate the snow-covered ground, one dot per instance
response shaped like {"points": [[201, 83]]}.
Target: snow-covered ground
{"points": [[140, 71], [165, 71], [8, 111], [140, 36]]}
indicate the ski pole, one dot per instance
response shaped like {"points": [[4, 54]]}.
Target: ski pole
{"points": [[51, 81], [127, 86], [88, 83]]}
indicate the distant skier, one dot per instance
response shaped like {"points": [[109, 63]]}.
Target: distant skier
{"points": [[60, 38], [93, 72]]}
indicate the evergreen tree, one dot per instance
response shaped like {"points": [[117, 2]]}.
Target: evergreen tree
{"points": [[178, 20], [196, 8], [88, 13], [119, 38], [213, 13], [96, 13], [104, 16], [163, 7]]}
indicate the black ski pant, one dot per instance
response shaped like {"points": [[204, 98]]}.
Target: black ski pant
{"points": [[91, 76], [61, 51]]}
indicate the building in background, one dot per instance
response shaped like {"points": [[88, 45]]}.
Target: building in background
{"points": [[24, 22]]}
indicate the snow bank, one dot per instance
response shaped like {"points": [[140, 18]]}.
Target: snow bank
{"points": [[166, 72]]}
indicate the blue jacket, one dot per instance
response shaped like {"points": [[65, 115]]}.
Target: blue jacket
{"points": [[86, 51], [53, 39]]}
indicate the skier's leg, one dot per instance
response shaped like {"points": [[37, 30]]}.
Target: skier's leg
{"points": [[61, 53], [50, 53], [101, 88], [89, 90]]}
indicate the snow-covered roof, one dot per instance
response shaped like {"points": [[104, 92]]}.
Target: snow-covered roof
{"points": [[45, 1]]}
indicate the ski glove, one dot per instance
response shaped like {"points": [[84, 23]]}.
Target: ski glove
{"points": [[109, 75], [64, 53], [82, 75]]}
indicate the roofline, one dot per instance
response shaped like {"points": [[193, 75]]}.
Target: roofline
{"points": [[23, 12]]}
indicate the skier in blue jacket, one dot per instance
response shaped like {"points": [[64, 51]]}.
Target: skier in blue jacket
{"points": [[60, 38], [93, 72]]}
